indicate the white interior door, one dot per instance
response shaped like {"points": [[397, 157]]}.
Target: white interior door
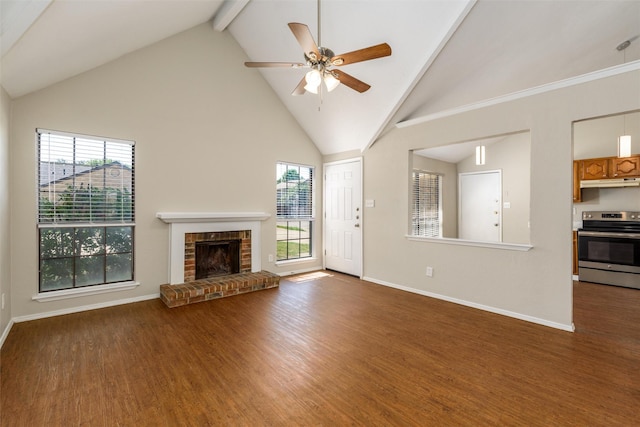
{"points": [[480, 206], [343, 216]]}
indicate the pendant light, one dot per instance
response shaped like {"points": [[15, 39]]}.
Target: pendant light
{"points": [[480, 155], [624, 141], [624, 146]]}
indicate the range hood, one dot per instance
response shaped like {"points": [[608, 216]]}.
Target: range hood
{"points": [[610, 183]]}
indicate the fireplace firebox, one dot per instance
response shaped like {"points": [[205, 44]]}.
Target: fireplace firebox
{"points": [[217, 258], [217, 253]]}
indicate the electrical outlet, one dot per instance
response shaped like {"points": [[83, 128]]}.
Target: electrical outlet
{"points": [[429, 271], [270, 258]]}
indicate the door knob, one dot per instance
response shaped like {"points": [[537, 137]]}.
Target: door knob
{"points": [[357, 225], [496, 225]]}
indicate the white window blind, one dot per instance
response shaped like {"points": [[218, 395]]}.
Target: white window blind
{"points": [[85, 210], [426, 215], [294, 207], [294, 187], [84, 179]]}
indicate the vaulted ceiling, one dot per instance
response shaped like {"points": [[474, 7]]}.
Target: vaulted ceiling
{"points": [[446, 54]]}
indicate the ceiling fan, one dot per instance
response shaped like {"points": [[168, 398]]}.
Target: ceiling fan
{"points": [[321, 60]]}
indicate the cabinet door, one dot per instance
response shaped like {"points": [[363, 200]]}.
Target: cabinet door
{"points": [[575, 253], [595, 169], [625, 167], [577, 191]]}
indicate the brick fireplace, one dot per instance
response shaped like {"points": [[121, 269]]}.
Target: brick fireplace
{"points": [[198, 246], [188, 227]]}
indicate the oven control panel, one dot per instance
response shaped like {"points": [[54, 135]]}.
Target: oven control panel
{"points": [[611, 216]]}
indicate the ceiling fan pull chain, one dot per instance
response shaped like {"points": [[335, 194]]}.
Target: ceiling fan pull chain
{"points": [[319, 39]]}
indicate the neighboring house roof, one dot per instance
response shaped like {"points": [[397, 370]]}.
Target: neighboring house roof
{"points": [[60, 172], [52, 172]]}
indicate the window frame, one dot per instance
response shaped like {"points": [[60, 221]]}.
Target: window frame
{"points": [[294, 228], [415, 214], [103, 217]]}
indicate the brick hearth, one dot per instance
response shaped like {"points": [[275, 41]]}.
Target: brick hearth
{"points": [[217, 287]]}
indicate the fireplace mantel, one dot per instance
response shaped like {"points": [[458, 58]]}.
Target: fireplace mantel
{"points": [[172, 217], [196, 222]]}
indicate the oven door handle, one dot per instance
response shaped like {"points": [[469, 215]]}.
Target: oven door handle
{"points": [[605, 234]]}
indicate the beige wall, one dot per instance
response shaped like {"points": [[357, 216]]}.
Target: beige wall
{"points": [[5, 266], [208, 134], [598, 137], [535, 285]]}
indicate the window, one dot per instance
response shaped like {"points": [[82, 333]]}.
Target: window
{"points": [[426, 216], [294, 202], [85, 210]]}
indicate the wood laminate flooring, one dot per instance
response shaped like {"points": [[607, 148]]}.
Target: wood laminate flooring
{"points": [[325, 349]]}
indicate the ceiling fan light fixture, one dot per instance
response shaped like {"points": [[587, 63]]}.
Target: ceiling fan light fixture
{"points": [[312, 89], [330, 81], [313, 78]]}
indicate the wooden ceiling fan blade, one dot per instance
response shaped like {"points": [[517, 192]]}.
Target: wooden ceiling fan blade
{"points": [[305, 39], [299, 90], [274, 64], [350, 81], [372, 52]]}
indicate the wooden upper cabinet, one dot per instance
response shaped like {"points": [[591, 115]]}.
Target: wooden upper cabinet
{"points": [[577, 171], [603, 168], [594, 169], [609, 167], [625, 167]]}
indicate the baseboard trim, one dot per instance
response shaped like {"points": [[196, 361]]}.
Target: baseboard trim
{"points": [[515, 315], [5, 333], [84, 308]]}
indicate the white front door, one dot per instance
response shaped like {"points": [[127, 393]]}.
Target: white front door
{"points": [[480, 206], [343, 216]]}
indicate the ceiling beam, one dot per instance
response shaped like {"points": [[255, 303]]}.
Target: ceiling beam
{"points": [[548, 87], [227, 13], [15, 19], [445, 39]]}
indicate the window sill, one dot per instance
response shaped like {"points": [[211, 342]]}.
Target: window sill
{"points": [[494, 245], [295, 261], [82, 292]]}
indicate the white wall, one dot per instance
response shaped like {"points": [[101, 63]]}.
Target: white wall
{"points": [[5, 265], [208, 134], [535, 285]]}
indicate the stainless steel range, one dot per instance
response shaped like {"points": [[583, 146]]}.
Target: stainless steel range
{"points": [[609, 248]]}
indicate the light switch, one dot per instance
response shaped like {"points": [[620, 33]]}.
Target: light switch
{"points": [[370, 203], [507, 205]]}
